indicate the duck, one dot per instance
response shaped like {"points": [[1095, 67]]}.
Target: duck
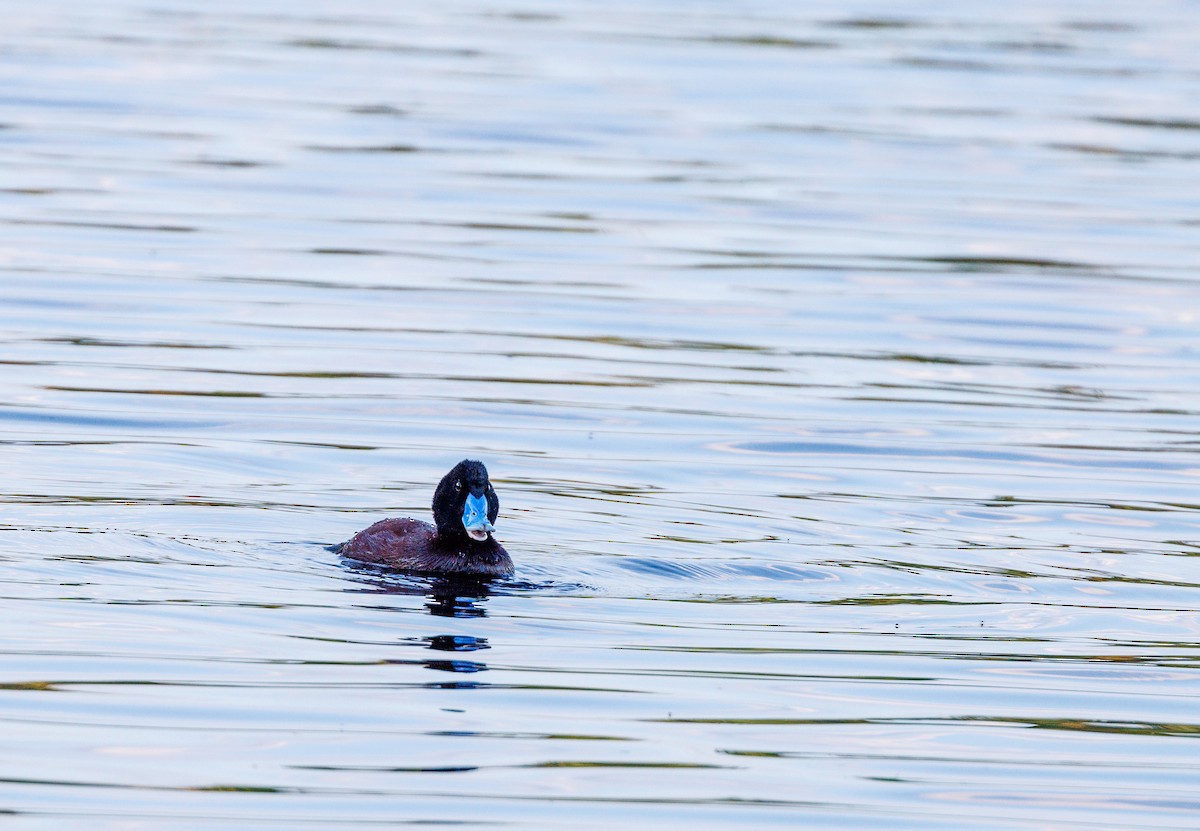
{"points": [[459, 542]]}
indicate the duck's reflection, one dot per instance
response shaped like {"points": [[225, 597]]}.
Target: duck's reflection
{"points": [[460, 597], [456, 643], [456, 596]]}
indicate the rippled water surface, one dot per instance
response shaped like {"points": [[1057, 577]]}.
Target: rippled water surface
{"points": [[836, 363]]}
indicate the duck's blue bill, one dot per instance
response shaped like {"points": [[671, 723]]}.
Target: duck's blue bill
{"points": [[475, 516]]}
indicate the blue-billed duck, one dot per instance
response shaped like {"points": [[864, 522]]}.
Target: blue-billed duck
{"points": [[460, 541]]}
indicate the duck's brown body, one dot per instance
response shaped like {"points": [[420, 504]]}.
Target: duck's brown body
{"points": [[412, 545]]}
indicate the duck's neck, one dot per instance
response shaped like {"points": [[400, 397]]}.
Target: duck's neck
{"points": [[455, 539]]}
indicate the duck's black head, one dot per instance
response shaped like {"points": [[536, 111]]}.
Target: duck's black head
{"points": [[465, 505]]}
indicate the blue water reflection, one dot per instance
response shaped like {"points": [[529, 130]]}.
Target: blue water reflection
{"points": [[837, 365]]}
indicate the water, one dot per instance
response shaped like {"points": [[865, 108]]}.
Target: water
{"points": [[835, 364]]}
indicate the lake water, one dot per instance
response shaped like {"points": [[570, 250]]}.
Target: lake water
{"points": [[836, 364]]}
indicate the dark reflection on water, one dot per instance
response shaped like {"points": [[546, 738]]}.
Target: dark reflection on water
{"points": [[457, 596], [836, 367]]}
